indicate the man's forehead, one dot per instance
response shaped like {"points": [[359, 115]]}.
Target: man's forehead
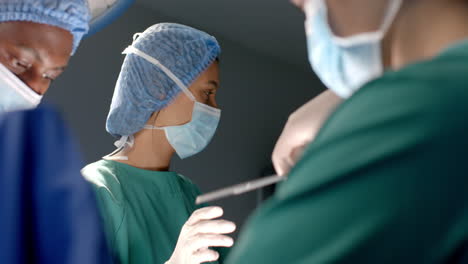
{"points": [[50, 59]]}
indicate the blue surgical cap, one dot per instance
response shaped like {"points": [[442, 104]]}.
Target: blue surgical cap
{"points": [[71, 15], [142, 88]]}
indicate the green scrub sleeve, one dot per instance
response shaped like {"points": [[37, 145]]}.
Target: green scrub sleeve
{"points": [[112, 212]]}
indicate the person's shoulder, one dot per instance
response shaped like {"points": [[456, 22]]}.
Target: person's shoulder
{"points": [[189, 185], [444, 77], [34, 116], [40, 136], [44, 119], [432, 94], [439, 84], [99, 173], [102, 175], [185, 181]]}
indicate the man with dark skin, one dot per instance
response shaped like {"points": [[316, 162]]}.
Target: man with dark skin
{"points": [[36, 53], [37, 39], [47, 211]]}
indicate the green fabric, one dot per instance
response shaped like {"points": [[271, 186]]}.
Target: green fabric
{"points": [[143, 211], [385, 181]]}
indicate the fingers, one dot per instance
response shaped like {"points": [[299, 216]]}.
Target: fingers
{"points": [[210, 240], [288, 150], [206, 213], [199, 234], [281, 166], [280, 161], [284, 163], [205, 255], [296, 154], [215, 227]]}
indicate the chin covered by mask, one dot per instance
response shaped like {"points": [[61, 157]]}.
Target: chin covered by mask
{"points": [[15, 94], [344, 64], [191, 138]]}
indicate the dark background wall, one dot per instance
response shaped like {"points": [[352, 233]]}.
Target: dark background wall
{"points": [[257, 94]]}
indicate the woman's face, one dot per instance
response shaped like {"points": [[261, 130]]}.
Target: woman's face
{"points": [[36, 53], [179, 112]]}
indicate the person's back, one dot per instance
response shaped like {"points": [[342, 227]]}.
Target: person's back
{"points": [[383, 182], [48, 213]]}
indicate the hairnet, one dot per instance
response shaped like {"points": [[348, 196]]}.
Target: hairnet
{"points": [[142, 88], [71, 15]]}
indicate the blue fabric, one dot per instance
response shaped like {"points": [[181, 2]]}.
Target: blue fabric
{"points": [[47, 210], [109, 16], [71, 15], [142, 88]]}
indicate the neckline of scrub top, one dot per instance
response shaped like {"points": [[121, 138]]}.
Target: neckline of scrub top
{"points": [[127, 172], [455, 47]]}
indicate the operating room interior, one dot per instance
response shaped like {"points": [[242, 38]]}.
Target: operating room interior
{"points": [[233, 131], [264, 72]]}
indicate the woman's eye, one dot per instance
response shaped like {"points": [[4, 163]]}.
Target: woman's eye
{"points": [[49, 77], [209, 92]]}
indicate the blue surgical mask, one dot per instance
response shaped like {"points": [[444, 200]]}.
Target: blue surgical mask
{"points": [[14, 94], [344, 64], [190, 138]]}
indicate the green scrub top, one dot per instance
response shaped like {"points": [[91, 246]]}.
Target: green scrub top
{"points": [[143, 211], [385, 181]]}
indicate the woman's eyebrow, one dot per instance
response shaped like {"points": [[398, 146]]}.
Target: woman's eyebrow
{"points": [[214, 83]]}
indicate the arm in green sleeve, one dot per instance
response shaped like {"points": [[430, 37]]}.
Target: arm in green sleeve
{"points": [[111, 207], [113, 215]]}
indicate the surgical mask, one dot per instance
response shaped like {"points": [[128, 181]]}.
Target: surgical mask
{"points": [[190, 138], [344, 64], [14, 94]]}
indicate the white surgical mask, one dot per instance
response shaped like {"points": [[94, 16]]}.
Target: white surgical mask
{"points": [[187, 139], [344, 64], [15, 95]]}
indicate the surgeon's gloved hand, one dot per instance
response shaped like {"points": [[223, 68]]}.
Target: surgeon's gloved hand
{"points": [[199, 233], [301, 129]]}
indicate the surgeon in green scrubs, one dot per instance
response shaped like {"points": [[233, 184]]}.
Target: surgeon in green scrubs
{"points": [[164, 103], [385, 178]]}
